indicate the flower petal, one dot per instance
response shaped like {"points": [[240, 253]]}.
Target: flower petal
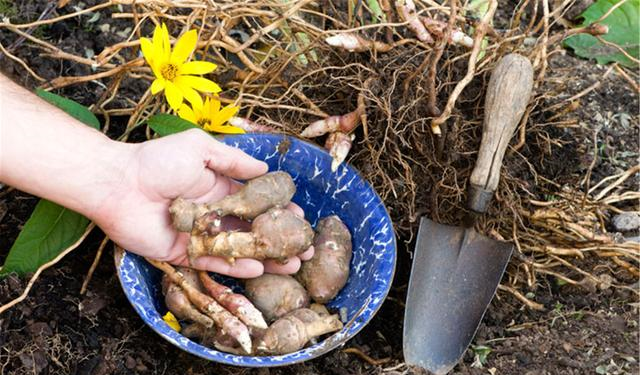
{"points": [[199, 83], [166, 43], [157, 37], [147, 50], [198, 111], [213, 108], [226, 129], [187, 113], [191, 96], [158, 85], [174, 95], [206, 105], [171, 321], [197, 67], [184, 46], [224, 115]]}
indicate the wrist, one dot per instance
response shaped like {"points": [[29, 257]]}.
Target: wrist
{"points": [[109, 178]]}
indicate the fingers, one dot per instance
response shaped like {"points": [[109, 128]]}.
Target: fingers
{"points": [[233, 162], [308, 254], [242, 268], [292, 266]]}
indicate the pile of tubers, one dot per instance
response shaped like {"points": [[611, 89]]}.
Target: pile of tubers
{"points": [[276, 316]]}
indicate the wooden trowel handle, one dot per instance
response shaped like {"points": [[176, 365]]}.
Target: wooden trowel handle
{"points": [[506, 100]]}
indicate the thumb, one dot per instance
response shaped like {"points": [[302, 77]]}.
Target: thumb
{"points": [[233, 162]]}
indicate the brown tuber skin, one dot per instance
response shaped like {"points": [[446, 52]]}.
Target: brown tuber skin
{"points": [[273, 189], [338, 144], [210, 337], [206, 336], [327, 272], [319, 309], [276, 295], [276, 234], [343, 123], [237, 304], [290, 333], [178, 303], [307, 315]]}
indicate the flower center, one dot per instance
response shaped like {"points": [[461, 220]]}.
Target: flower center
{"points": [[203, 121], [169, 72]]}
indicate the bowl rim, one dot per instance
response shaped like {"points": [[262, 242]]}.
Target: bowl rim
{"points": [[120, 253]]}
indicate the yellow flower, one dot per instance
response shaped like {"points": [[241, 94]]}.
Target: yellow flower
{"points": [[171, 320], [173, 73], [210, 117]]}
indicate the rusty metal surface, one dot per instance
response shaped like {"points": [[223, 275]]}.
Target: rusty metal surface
{"points": [[454, 276]]}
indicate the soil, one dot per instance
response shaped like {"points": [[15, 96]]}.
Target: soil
{"points": [[592, 329]]}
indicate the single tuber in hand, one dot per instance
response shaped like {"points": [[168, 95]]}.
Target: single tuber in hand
{"points": [[292, 332], [276, 295], [273, 189], [327, 272], [275, 234]]}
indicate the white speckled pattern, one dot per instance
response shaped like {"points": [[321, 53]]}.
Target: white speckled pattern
{"points": [[320, 193]]}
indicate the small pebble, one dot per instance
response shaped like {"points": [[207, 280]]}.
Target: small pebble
{"points": [[626, 221], [129, 362], [343, 314]]}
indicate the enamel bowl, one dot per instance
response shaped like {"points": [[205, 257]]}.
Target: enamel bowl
{"points": [[320, 193]]}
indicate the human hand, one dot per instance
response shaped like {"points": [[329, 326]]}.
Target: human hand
{"points": [[191, 165]]}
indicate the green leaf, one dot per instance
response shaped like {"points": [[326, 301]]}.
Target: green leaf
{"points": [[76, 110], [481, 353], [376, 11], [164, 124], [623, 23], [50, 229], [477, 9]]}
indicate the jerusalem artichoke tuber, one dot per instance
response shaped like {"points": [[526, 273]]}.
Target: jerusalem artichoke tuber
{"points": [[276, 234], [307, 315], [290, 333], [178, 303], [273, 189], [237, 304], [338, 144], [408, 13], [223, 319], [319, 309], [276, 295], [211, 337], [327, 272], [355, 43], [343, 123]]}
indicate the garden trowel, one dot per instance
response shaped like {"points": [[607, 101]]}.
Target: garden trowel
{"points": [[456, 271]]}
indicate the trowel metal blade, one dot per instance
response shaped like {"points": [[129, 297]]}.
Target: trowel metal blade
{"points": [[454, 276]]}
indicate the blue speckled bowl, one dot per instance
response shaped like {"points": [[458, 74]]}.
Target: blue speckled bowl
{"points": [[320, 193]]}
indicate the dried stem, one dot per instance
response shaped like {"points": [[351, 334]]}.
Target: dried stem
{"points": [[480, 32]]}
